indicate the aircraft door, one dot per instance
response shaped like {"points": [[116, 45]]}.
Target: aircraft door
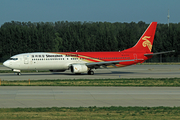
{"points": [[26, 59]]}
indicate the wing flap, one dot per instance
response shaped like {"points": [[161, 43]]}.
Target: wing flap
{"points": [[106, 63]]}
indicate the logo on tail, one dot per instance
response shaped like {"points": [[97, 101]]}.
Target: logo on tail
{"points": [[147, 42]]}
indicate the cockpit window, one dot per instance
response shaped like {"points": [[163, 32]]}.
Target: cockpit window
{"points": [[13, 59]]}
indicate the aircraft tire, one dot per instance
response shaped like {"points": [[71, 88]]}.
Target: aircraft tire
{"points": [[18, 73], [90, 72]]}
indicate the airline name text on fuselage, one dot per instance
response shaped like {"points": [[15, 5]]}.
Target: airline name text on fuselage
{"points": [[71, 55], [54, 56]]}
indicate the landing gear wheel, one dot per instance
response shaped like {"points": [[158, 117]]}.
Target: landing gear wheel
{"points": [[18, 73], [90, 72]]}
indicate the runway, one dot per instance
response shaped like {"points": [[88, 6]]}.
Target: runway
{"points": [[38, 96], [134, 71], [41, 96]]}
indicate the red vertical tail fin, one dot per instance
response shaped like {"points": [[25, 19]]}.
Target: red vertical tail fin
{"points": [[146, 41]]}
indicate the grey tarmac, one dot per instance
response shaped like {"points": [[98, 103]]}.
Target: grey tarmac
{"points": [[134, 71], [54, 96]]}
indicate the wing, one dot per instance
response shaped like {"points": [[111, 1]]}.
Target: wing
{"points": [[104, 64], [149, 54]]}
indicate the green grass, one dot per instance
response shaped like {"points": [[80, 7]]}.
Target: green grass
{"points": [[91, 113], [173, 82]]}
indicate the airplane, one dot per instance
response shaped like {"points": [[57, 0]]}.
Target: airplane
{"points": [[81, 62]]}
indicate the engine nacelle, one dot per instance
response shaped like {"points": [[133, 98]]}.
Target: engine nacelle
{"points": [[15, 70], [79, 68]]}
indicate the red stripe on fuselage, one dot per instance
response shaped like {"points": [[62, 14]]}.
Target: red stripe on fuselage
{"points": [[108, 56]]}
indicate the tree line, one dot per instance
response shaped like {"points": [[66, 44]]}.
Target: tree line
{"points": [[23, 37]]}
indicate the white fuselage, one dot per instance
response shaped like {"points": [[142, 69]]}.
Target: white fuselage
{"points": [[41, 61]]}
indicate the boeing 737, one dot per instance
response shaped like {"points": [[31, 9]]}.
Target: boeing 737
{"points": [[81, 62]]}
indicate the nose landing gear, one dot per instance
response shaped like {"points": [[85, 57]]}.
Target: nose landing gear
{"points": [[17, 71]]}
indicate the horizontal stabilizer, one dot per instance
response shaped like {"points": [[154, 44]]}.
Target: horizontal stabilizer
{"points": [[149, 54]]}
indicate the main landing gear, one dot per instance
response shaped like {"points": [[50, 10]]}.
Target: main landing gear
{"points": [[90, 72], [19, 73]]}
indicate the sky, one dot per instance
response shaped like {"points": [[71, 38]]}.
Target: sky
{"points": [[89, 10]]}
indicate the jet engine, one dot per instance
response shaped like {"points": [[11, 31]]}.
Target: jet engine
{"points": [[79, 68]]}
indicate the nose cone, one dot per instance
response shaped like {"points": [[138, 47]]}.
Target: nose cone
{"points": [[6, 63]]}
